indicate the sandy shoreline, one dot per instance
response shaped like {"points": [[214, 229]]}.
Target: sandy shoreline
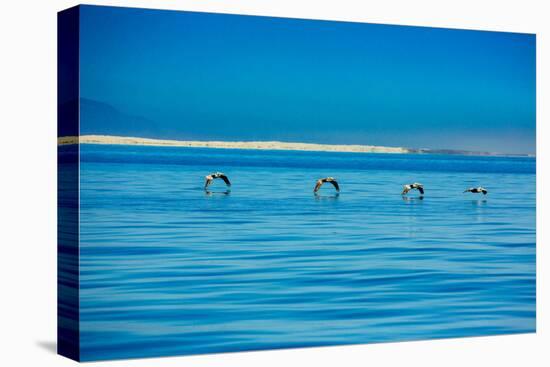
{"points": [[260, 145], [267, 145]]}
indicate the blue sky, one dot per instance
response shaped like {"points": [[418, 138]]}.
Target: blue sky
{"points": [[214, 76]]}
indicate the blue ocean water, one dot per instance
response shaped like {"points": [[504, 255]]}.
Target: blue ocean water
{"points": [[166, 268]]}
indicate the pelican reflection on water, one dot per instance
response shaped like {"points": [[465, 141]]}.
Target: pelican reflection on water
{"points": [[412, 200], [479, 202], [210, 192], [334, 196]]}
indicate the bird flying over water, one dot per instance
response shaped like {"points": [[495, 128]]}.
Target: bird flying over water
{"points": [[213, 176], [413, 186], [477, 190], [321, 181]]}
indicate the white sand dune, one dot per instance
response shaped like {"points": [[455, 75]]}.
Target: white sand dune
{"points": [[261, 145]]}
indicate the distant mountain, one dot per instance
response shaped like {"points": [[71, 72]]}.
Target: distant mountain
{"points": [[102, 118], [99, 118]]}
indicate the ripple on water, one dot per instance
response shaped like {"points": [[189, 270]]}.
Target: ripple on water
{"points": [[166, 269]]}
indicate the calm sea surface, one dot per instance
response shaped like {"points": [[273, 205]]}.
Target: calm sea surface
{"points": [[169, 269]]}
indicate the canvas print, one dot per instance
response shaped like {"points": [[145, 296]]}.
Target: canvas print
{"points": [[233, 183]]}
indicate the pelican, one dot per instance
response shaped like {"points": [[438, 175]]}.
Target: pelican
{"points": [[477, 190], [213, 176], [416, 185], [321, 181]]}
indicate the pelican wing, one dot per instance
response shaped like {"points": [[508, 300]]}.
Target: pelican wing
{"points": [[406, 189], [318, 185], [225, 179], [208, 181], [421, 189], [335, 184], [484, 191]]}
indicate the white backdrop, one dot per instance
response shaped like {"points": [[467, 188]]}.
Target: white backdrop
{"points": [[28, 182]]}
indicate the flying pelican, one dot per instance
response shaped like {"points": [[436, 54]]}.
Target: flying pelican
{"points": [[477, 190], [321, 181], [416, 185], [213, 176]]}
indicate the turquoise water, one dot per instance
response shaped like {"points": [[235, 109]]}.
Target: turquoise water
{"points": [[169, 269]]}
